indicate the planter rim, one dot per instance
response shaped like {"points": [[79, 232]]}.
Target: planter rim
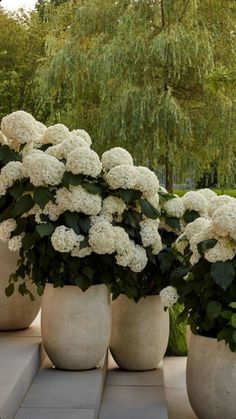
{"points": [[142, 298], [205, 337]]}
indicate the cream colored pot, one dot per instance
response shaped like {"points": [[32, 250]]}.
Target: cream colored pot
{"points": [[211, 378], [140, 332], [76, 325], [16, 312]]}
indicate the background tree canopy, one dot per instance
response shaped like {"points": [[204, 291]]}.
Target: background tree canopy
{"points": [[154, 76]]}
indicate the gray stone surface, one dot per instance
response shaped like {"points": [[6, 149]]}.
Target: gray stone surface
{"points": [[133, 402], [64, 394], [20, 359], [55, 414]]}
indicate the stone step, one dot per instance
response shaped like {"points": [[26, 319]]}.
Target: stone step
{"points": [[64, 394], [133, 395], [21, 355]]}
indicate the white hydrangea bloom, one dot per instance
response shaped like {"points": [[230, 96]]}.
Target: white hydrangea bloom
{"points": [[20, 126], [146, 181], [3, 139], [63, 239], [181, 243], [82, 134], [224, 220], [42, 169], [11, 172], [149, 232], [168, 296], [102, 237], [196, 226], [84, 161], [113, 207], [207, 193], [115, 157], [195, 201], [221, 252], [52, 210], [15, 243], [55, 151], [78, 251], [56, 134], [157, 246], [174, 207], [79, 200], [123, 176], [219, 201], [3, 189], [206, 233], [6, 228], [139, 259]]}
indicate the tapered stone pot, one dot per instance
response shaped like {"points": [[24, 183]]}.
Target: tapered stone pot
{"points": [[16, 312], [140, 332], [211, 378], [76, 325]]}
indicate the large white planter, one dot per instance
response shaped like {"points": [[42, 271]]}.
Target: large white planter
{"points": [[211, 378], [140, 332], [76, 325], [16, 312]]}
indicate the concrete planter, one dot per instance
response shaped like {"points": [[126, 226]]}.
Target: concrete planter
{"points": [[76, 325], [140, 333], [16, 312], [211, 378]]}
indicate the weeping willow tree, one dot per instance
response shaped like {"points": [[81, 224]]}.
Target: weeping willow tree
{"points": [[154, 76]]}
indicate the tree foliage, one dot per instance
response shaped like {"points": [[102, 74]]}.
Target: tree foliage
{"points": [[154, 76]]}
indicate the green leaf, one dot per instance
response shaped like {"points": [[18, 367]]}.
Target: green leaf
{"points": [[23, 205], [149, 210], [205, 245], [226, 314], [89, 272], [29, 240], [233, 320], [173, 222], [22, 289], [10, 289], [223, 273], [42, 195], [84, 223], [214, 309], [128, 195], [40, 290], [16, 190], [234, 336], [233, 305], [92, 188], [71, 179], [190, 216], [82, 282], [72, 220], [45, 229]]}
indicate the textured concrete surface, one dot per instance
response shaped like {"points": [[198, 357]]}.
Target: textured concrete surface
{"points": [[56, 391], [175, 388], [20, 359], [133, 395]]}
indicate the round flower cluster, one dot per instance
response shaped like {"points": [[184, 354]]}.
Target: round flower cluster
{"points": [[6, 228], [22, 127], [220, 230], [115, 157], [63, 239], [195, 201], [77, 199], [168, 296], [42, 169], [174, 207], [84, 161]]}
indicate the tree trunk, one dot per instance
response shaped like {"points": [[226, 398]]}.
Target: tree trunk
{"points": [[169, 176]]}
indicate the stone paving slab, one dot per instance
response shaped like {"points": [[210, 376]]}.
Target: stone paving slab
{"points": [[54, 390], [20, 359], [133, 394], [55, 414], [133, 402]]}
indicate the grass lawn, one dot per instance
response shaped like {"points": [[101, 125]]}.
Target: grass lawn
{"points": [[219, 191]]}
